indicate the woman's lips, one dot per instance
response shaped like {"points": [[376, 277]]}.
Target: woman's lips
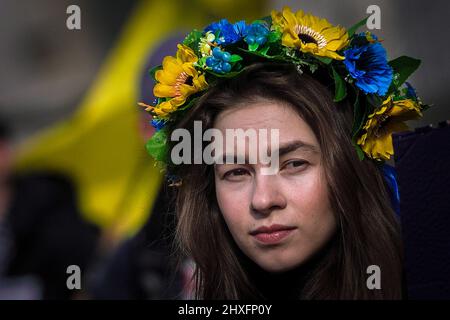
{"points": [[272, 234]]}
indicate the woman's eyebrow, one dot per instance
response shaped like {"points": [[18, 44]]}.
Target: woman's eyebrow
{"points": [[294, 145], [282, 150], [234, 159]]}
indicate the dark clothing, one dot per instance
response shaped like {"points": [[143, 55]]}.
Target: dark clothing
{"points": [[422, 161], [47, 232]]}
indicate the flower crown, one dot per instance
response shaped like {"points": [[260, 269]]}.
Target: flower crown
{"points": [[383, 100]]}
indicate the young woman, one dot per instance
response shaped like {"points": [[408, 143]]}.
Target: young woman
{"points": [[332, 210], [314, 227]]}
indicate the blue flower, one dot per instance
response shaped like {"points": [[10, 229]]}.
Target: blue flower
{"points": [[256, 33], [367, 64], [227, 33], [240, 28], [158, 124], [219, 62]]}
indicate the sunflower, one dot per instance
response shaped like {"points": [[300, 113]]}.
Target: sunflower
{"points": [[376, 141], [177, 80], [310, 33]]}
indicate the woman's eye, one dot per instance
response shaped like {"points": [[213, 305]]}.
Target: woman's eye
{"points": [[296, 165], [235, 174]]}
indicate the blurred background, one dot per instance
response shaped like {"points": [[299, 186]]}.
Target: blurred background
{"points": [[76, 184]]}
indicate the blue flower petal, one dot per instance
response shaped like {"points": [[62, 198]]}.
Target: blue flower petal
{"points": [[367, 64], [158, 124], [227, 32], [240, 28]]}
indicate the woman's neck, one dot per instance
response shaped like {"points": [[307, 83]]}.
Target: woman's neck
{"points": [[286, 285]]}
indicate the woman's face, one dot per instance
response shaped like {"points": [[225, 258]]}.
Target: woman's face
{"points": [[278, 220]]}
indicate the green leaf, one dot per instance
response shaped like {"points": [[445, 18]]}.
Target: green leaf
{"points": [[273, 36], [202, 62], [359, 119], [192, 39], [153, 70], [235, 58], [253, 46], [157, 145], [340, 91], [374, 101], [189, 104], [264, 50], [267, 19], [313, 68], [351, 31], [193, 36], [403, 67], [258, 53], [359, 116], [359, 151], [325, 60]]}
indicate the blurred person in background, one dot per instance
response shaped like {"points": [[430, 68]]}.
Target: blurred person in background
{"points": [[24, 287], [5, 191], [41, 231], [5, 166]]}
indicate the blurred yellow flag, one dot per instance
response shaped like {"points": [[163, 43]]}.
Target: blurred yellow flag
{"points": [[100, 147]]}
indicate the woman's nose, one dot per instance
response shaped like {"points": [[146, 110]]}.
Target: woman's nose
{"points": [[267, 195]]}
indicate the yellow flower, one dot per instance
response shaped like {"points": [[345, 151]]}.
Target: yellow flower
{"points": [[376, 142], [177, 79], [309, 33]]}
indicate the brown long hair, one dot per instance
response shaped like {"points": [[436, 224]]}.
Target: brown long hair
{"points": [[367, 231]]}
